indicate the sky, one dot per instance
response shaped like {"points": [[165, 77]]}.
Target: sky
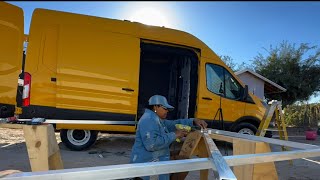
{"points": [[240, 30]]}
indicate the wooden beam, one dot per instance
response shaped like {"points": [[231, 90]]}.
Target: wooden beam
{"points": [[243, 147], [42, 147], [188, 149], [202, 150], [256, 171], [264, 171], [222, 138], [11, 126], [190, 144]]}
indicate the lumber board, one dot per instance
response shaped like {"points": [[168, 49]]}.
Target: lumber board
{"points": [[11, 126], [243, 172], [265, 171], [190, 144], [42, 148], [222, 138], [202, 150]]}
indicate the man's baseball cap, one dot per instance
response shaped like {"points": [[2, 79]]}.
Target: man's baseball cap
{"points": [[160, 100]]}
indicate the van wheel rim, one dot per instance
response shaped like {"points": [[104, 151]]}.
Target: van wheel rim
{"points": [[78, 137], [246, 131]]}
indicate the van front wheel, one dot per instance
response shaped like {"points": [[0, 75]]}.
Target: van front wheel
{"points": [[246, 128], [78, 140]]}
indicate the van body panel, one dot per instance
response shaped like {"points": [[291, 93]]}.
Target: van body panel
{"points": [[90, 70], [11, 45], [41, 62], [234, 110], [255, 109], [97, 77], [135, 29], [95, 80]]}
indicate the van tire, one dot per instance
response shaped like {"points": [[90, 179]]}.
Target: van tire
{"points": [[78, 140], [6, 111], [246, 128]]}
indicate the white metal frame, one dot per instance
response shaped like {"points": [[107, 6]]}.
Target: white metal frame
{"points": [[154, 168]]}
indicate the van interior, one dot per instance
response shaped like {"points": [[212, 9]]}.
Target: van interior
{"points": [[171, 72]]}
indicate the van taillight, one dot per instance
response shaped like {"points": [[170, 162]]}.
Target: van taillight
{"points": [[26, 89]]}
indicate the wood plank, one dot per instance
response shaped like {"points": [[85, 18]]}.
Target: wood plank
{"points": [[222, 137], [202, 149], [55, 161], [187, 150], [244, 172], [190, 144], [42, 147], [264, 171], [11, 126]]}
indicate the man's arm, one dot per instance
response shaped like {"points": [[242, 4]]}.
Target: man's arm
{"points": [[190, 122]]}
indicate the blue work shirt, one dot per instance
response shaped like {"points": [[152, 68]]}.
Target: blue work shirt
{"points": [[153, 138]]}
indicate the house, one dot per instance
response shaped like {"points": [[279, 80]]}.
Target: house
{"points": [[259, 85]]}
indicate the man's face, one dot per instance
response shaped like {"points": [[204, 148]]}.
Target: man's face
{"points": [[161, 111]]}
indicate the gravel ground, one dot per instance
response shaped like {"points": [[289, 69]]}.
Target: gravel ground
{"points": [[112, 149]]}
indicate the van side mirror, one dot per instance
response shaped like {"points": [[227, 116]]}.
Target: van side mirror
{"points": [[245, 93]]}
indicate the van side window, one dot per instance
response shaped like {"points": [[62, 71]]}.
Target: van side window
{"points": [[233, 88], [218, 77], [215, 77]]}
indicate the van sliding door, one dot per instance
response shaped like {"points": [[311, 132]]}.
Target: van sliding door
{"points": [[97, 74]]}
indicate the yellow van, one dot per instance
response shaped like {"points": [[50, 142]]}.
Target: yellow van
{"points": [[88, 74]]}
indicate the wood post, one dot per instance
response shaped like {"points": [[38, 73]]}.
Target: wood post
{"points": [[43, 150], [203, 152]]}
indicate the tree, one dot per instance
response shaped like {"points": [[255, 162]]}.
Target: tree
{"points": [[290, 67], [231, 64]]}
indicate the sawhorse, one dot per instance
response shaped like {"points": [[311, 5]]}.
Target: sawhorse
{"points": [[42, 147]]}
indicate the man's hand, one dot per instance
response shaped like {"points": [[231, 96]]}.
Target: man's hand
{"points": [[181, 133], [200, 123]]}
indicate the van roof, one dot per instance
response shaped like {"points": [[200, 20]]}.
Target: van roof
{"points": [[155, 33]]}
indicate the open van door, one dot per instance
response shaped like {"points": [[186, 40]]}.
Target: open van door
{"points": [[11, 52]]}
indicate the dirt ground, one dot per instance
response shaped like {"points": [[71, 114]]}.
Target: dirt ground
{"points": [[112, 149]]}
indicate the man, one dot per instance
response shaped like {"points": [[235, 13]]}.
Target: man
{"points": [[155, 134]]}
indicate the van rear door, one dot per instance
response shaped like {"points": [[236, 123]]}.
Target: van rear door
{"points": [[11, 48]]}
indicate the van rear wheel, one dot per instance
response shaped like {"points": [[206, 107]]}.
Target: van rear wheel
{"points": [[246, 128], [78, 140]]}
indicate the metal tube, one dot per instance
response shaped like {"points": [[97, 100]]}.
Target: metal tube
{"points": [[163, 167], [263, 139], [223, 171]]}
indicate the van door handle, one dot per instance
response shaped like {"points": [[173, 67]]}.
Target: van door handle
{"points": [[53, 79], [207, 98], [127, 89]]}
